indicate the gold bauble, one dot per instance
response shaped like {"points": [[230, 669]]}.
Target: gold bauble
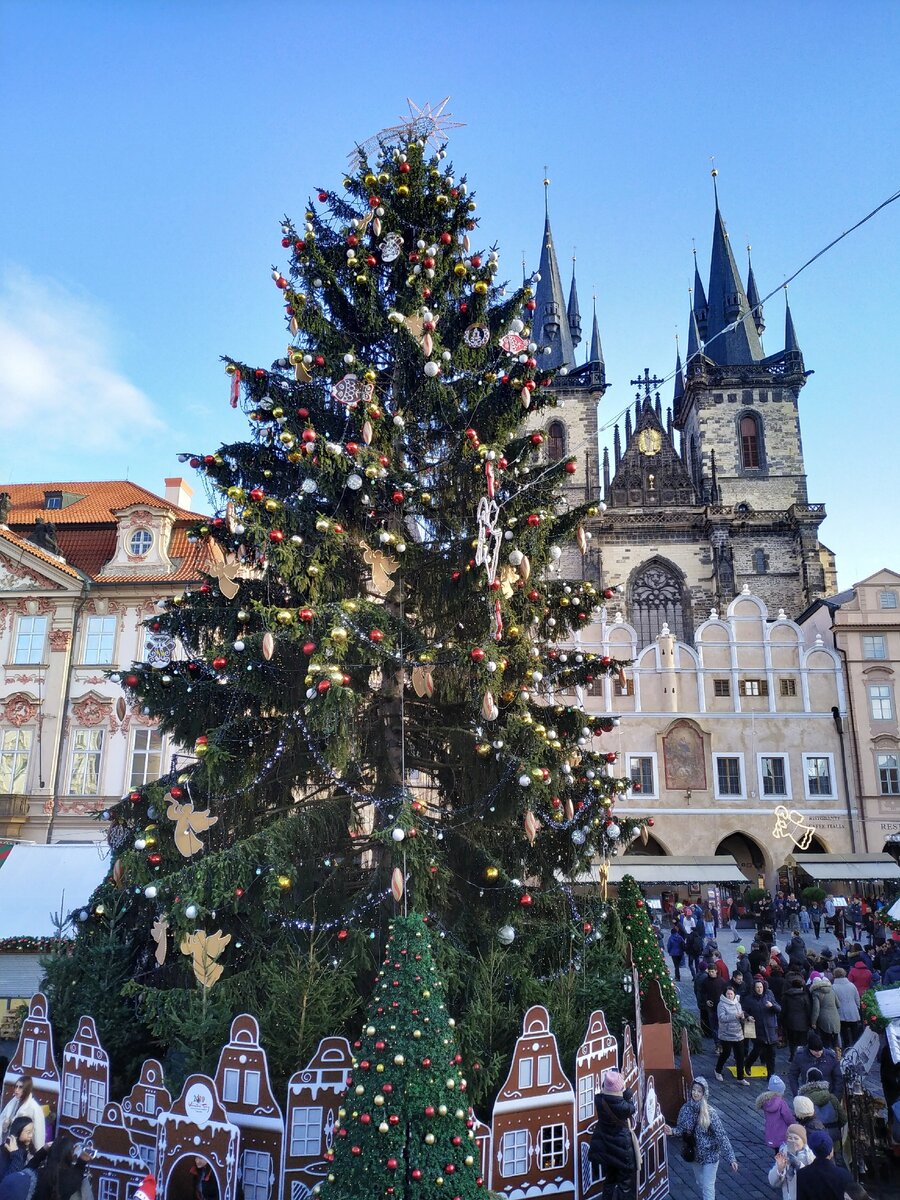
{"points": [[492, 873], [459, 269], [284, 616], [338, 634], [271, 505], [480, 288], [284, 882], [403, 190]]}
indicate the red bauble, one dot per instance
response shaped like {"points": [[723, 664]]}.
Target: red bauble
{"points": [[446, 238], [175, 791], [219, 662], [389, 1087], [391, 1164], [416, 1174], [404, 168], [308, 435], [587, 927], [355, 1150], [132, 680], [323, 196], [608, 593], [605, 660], [352, 239], [537, 439], [534, 519], [134, 797], [309, 648], [477, 654], [526, 900], [393, 1119], [285, 241], [397, 497], [449, 1169], [376, 636], [650, 822], [611, 757], [275, 535], [571, 468], [306, 614], [365, 1119], [256, 493], [154, 859], [322, 686], [342, 934], [456, 1141], [426, 1062], [352, 448], [429, 1111]]}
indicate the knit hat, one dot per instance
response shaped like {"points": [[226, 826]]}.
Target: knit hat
{"points": [[776, 1084], [819, 1141], [798, 1131], [803, 1107], [147, 1190], [814, 1075], [742, 949], [813, 1041], [612, 1084]]}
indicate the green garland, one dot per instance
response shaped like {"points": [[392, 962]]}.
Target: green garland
{"points": [[871, 1009], [32, 945]]}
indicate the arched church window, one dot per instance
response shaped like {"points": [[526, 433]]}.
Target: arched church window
{"points": [[556, 441], [760, 562], [751, 442], [657, 599]]}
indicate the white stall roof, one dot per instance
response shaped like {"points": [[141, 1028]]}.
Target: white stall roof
{"points": [[839, 866], [650, 869], [39, 883]]}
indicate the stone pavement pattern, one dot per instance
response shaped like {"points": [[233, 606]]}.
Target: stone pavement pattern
{"points": [[736, 1105]]}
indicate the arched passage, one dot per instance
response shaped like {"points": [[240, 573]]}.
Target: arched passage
{"points": [[746, 852], [892, 847], [182, 1179], [816, 846], [653, 848]]}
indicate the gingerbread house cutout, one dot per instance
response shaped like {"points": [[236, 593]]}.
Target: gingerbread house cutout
{"points": [[118, 1167], [533, 1123], [84, 1087], [653, 1182], [242, 1080], [34, 1056], [629, 1067], [596, 1054], [313, 1099], [197, 1125], [656, 1055], [141, 1109], [482, 1134]]}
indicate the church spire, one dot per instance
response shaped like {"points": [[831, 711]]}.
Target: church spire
{"points": [[791, 345], [596, 352], [753, 297], [728, 305], [573, 311], [551, 324], [694, 346], [701, 308], [679, 382]]}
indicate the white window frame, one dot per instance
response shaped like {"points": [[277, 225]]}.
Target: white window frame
{"points": [[145, 549], [552, 1144], [29, 647], [71, 1095], [94, 648], [231, 1085], [256, 1174], [885, 765], [653, 794], [719, 795], [28, 1053], [763, 794], [79, 784], [108, 1188], [810, 795], [252, 1081], [887, 699], [878, 642], [514, 1147], [544, 1069], [15, 755], [526, 1072], [586, 1097], [96, 1101], [887, 598], [306, 1132]]}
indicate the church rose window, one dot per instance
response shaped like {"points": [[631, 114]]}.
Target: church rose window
{"points": [[657, 599]]}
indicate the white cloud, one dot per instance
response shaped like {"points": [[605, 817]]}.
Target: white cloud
{"points": [[59, 384]]}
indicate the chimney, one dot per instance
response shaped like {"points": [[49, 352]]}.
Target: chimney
{"points": [[179, 492]]}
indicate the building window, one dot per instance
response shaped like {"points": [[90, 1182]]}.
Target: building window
{"points": [[108, 1189], [729, 776], [256, 1174], [526, 1072], [231, 1085], [140, 542], [881, 702], [514, 1152], [585, 1097], [760, 562], [774, 779], [754, 687], [99, 640], [31, 634], [888, 774], [751, 442], [721, 687], [251, 1087], [887, 599], [306, 1132], [819, 775], [874, 645], [148, 1154], [149, 1103], [71, 1097], [96, 1101], [641, 768], [87, 756], [556, 441], [788, 687], [657, 599], [28, 1053], [545, 1067], [552, 1147], [146, 757], [52, 499], [15, 747]]}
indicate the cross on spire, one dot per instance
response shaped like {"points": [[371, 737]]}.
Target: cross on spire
{"points": [[649, 385]]}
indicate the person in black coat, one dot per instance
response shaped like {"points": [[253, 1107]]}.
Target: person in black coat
{"points": [[796, 1013], [710, 990], [822, 1179], [612, 1143], [63, 1171]]}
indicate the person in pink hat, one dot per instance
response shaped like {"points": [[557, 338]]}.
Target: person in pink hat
{"points": [[613, 1142]]}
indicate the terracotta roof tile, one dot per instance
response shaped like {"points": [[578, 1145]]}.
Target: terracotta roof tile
{"points": [[83, 503], [21, 543]]}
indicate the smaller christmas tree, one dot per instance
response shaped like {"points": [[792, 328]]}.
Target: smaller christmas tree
{"points": [[645, 951], [404, 1129]]}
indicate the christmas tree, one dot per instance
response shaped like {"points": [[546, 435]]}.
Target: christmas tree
{"points": [[640, 935], [405, 1126], [378, 679]]}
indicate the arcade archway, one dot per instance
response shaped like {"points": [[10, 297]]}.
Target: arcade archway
{"points": [[747, 853], [653, 848]]}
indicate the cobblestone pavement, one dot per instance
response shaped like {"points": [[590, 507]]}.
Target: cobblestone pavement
{"points": [[736, 1104]]}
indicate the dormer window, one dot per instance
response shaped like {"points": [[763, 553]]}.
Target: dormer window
{"points": [[140, 542], [52, 499]]}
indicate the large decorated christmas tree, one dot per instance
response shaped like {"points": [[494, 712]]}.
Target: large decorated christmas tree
{"points": [[378, 680]]}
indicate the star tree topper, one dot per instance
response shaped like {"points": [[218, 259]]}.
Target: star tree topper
{"points": [[426, 121]]}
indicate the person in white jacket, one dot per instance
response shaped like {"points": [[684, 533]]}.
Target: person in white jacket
{"points": [[793, 1155], [24, 1104], [848, 1007]]}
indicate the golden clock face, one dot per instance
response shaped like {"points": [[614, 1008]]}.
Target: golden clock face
{"points": [[649, 441]]}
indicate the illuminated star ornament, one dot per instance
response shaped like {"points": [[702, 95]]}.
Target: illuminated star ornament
{"points": [[427, 122]]}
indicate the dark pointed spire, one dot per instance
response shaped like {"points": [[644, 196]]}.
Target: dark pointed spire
{"points": [[701, 308], [658, 408], [551, 324], [628, 426], [617, 447], [573, 312], [694, 346], [753, 297], [606, 472], [596, 354], [727, 302], [679, 381], [791, 345], [670, 427]]}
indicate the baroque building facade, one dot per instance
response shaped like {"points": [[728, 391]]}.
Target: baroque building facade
{"points": [[82, 567]]}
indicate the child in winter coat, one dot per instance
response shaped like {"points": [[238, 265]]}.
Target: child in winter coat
{"points": [[778, 1113], [791, 1157]]}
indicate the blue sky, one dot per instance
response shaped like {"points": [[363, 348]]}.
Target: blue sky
{"points": [[151, 149]]}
